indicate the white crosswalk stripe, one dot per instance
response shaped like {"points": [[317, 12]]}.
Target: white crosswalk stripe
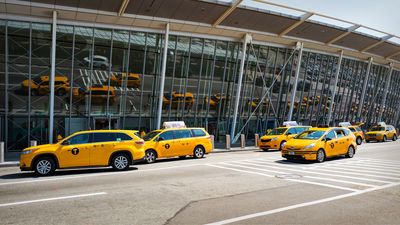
{"points": [[356, 174]]}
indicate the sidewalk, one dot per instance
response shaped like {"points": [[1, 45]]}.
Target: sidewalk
{"points": [[217, 150]]}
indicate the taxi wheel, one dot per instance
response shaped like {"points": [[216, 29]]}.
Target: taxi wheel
{"points": [[394, 138], [45, 166], [60, 92], [120, 162], [198, 152], [384, 139], [281, 145], [151, 156], [367, 141], [359, 140], [320, 156], [350, 152]]}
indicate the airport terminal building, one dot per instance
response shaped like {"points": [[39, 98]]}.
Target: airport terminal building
{"points": [[222, 65]]}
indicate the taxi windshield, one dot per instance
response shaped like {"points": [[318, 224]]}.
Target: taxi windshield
{"points": [[277, 131], [310, 134], [377, 129], [150, 135]]}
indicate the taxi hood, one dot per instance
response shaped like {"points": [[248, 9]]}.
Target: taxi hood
{"points": [[269, 136], [300, 143], [41, 146]]}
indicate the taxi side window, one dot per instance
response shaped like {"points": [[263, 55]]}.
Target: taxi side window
{"points": [[182, 134], [198, 133], [340, 133], [358, 129], [79, 139], [352, 129], [331, 135], [168, 135], [103, 137], [346, 132], [123, 137], [291, 131]]}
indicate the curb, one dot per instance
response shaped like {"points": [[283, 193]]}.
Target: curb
{"points": [[9, 164]]}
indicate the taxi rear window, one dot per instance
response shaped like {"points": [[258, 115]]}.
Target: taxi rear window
{"points": [[198, 133]]}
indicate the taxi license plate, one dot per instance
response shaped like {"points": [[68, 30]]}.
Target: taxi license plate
{"points": [[291, 153]]}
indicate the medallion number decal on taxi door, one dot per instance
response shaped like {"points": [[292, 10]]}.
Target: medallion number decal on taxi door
{"points": [[75, 151], [332, 145], [167, 146]]}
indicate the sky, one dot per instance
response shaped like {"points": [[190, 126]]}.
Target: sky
{"points": [[382, 15]]}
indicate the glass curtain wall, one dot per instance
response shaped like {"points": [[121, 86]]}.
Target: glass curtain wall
{"points": [[109, 79]]}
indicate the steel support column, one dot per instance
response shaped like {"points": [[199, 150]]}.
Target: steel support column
{"points": [[334, 87], [246, 40], [163, 68], [299, 46], [382, 108], [52, 75], [360, 106]]}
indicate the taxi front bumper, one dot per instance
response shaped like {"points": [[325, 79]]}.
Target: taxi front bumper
{"points": [[268, 144], [299, 154]]}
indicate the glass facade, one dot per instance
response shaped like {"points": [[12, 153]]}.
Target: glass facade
{"points": [[109, 79]]}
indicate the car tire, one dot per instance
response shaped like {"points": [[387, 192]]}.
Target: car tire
{"points": [[34, 93], [320, 156], [120, 162], [44, 166], [384, 138], [367, 141], [359, 140], [60, 92], [281, 145], [151, 156], [198, 152], [350, 152], [394, 138]]}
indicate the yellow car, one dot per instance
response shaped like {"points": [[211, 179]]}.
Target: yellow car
{"points": [[172, 142], [277, 137], [215, 100], [321, 143], [381, 132], [116, 148], [40, 85], [133, 80], [356, 131], [175, 98]]}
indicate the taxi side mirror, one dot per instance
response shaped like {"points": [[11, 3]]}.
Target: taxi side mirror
{"points": [[289, 134], [327, 139], [160, 139], [66, 142]]}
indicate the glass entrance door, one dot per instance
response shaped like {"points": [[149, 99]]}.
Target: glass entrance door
{"points": [[105, 123]]}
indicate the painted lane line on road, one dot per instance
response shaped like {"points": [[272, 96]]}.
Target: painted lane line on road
{"points": [[323, 174], [294, 180], [367, 167], [305, 204], [381, 164], [396, 162], [347, 171], [111, 173], [52, 199], [305, 176]]}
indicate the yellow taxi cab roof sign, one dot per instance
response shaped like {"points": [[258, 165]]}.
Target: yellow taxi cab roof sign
{"points": [[290, 123], [345, 124], [174, 124]]}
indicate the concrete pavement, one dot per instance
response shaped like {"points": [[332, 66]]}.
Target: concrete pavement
{"points": [[239, 187]]}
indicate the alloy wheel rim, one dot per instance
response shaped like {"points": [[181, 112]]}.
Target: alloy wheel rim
{"points": [[351, 151], [121, 162], [150, 157], [43, 167], [320, 156], [199, 152]]}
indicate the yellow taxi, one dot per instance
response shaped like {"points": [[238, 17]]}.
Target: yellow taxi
{"points": [[215, 100], [176, 140], [356, 131], [40, 85], [116, 148], [176, 98], [321, 143], [277, 137], [381, 132], [133, 80]]}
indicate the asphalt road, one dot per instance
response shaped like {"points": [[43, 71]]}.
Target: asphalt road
{"points": [[251, 187]]}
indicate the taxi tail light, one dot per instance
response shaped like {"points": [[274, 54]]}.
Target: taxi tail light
{"points": [[139, 142]]}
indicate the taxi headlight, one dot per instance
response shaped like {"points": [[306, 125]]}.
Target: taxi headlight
{"points": [[310, 146], [26, 152], [274, 139]]}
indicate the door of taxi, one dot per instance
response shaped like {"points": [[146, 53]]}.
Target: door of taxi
{"points": [[101, 148], [185, 142], [167, 146], [342, 140], [75, 151], [331, 143]]}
